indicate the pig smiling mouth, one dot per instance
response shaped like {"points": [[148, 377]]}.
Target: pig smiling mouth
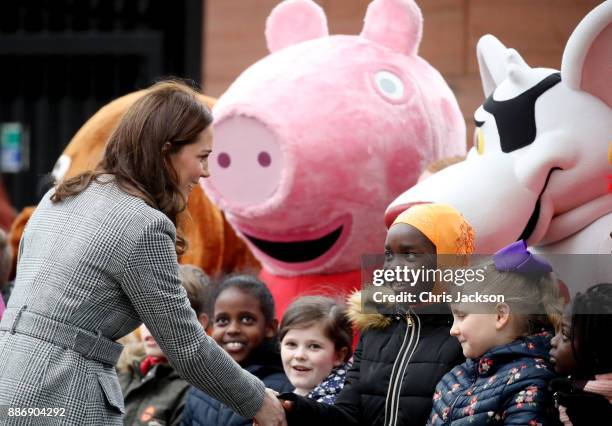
{"points": [[297, 251]]}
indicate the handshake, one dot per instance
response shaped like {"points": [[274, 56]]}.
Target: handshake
{"points": [[273, 410]]}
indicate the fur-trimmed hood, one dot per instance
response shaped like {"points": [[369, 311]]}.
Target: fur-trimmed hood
{"points": [[364, 321], [371, 319]]}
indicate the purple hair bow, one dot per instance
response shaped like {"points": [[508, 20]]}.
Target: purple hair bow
{"points": [[516, 258]]}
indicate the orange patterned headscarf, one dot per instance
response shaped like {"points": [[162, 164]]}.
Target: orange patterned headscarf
{"points": [[444, 226]]}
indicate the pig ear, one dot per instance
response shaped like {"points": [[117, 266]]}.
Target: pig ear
{"points": [[493, 62], [587, 59], [396, 24], [294, 21]]}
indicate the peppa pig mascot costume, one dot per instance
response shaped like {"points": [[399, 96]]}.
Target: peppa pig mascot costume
{"points": [[541, 165], [313, 141]]}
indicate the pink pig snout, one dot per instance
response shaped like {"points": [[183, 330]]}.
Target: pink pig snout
{"points": [[246, 162]]}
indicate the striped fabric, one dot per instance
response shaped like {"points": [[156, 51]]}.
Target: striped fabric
{"points": [[104, 261]]}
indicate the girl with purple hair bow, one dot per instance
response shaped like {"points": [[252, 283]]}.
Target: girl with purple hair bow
{"points": [[503, 322]]}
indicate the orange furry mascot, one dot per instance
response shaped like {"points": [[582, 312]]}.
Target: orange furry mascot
{"points": [[213, 244]]}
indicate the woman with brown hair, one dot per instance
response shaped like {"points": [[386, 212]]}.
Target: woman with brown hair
{"points": [[98, 258]]}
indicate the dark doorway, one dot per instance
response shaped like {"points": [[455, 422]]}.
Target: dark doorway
{"points": [[61, 60]]}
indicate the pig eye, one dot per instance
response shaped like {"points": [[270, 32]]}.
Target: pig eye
{"points": [[389, 84]]}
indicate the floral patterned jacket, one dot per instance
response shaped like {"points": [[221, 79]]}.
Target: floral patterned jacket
{"points": [[330, 387], [508, 385]]}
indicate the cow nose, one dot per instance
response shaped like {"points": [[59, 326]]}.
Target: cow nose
{"points": [[246, 164]]}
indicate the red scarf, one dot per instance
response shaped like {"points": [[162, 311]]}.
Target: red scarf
{"points": [[147, 363]]}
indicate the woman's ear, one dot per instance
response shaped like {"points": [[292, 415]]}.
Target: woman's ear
{"points": [[340, 356], [166, 147], [271, 329], [502, 311]]}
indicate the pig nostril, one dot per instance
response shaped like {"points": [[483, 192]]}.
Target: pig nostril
{"points": [[264, 159], [224, 160]]}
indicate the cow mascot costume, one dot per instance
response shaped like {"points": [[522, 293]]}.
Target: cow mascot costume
{"points": [[540, 168]]}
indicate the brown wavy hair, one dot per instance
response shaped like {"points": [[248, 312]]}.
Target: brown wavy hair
{"points": [[137, 155]]}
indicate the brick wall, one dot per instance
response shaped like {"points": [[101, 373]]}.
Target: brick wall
{"points": [[538, 29]]}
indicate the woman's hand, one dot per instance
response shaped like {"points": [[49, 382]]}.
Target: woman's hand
{"points": [[271, 412]]}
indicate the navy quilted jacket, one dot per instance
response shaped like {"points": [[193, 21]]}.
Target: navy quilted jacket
{"points": [[508, 385], [203, 410]]}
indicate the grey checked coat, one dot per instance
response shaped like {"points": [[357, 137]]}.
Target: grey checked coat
{"points": [[102, 262]]}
